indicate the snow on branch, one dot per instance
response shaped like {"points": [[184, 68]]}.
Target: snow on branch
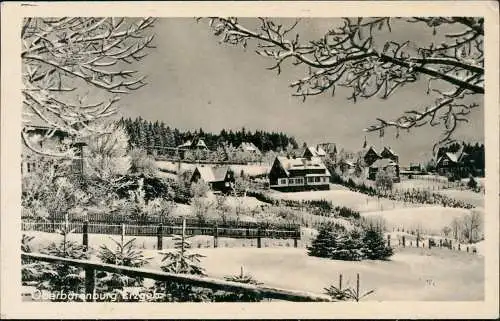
{"points": [[69, 60], [353, 55]]}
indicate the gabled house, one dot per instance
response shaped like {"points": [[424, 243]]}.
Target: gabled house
{"points": [[370, 156], [220, 178], [390, 154], [250, 148], [290, 174], [193, 145], [459, 164], [385, 164], [311, 151], [330, 150]]}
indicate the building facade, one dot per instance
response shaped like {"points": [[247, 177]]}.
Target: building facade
{"points": [[290, 174]]}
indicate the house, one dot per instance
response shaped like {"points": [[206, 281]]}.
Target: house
{"points": [[220, 178], [346, 166], [370, 156], [387, 159], [385, 164], [192, 145], [289, 174], [311, 151], [250, 148], [459, 164], [329, 148], [390, 154], [42, 136]]}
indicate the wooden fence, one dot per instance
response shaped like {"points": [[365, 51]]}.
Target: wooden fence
{"points": [[160, 231], [91, 267], [118, 219]]}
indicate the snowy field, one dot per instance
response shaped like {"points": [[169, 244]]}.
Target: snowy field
{"points": [[431, 219], [412, 274], [342, 197], [467, 196], [408, 184]]}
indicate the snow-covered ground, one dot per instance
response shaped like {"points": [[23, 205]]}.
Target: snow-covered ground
{"points": [[342, 197], [408, 184], [467, 196], [431, 219], [411, 274]]}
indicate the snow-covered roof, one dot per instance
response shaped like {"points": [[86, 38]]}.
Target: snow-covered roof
{"points": [[383, 163], [301, 163], [201, 143], [206, 173], [453, 157], [186, 144], [249, 146], [315, 151], [366, 150], [212, 174], [390, 151], [327, 147], [347, 162]]}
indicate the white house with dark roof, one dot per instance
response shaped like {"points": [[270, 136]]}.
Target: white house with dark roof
{"points": [[290, 174]]}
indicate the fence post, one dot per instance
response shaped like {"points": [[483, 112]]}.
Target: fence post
{"points": [[85, 232], [259, 245], [418, 238], [123, 233], [216, 235], [159, 236], [388, 240], [89, 284], [404, 241], [357, 286]]}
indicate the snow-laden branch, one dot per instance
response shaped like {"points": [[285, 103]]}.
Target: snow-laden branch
{"points": [[64, 56], [353, 56]]}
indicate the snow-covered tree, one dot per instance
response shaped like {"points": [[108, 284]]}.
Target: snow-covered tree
{"points": [[106, 153], [360, 54], [73, 68]]}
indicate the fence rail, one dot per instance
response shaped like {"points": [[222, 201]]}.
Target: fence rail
{"points": [[166, 230], [114, 218], [204, 282]]}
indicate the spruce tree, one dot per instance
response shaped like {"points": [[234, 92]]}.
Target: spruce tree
{"points": [[374, 245]]}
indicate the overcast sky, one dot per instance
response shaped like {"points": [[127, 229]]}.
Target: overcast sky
{"points": [[196, 82]]}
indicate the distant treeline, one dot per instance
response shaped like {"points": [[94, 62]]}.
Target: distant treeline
{"points": [[149, 135]]}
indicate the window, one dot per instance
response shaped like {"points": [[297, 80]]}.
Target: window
{"points": [[445, 162], [310, 179], [317, 179], [282, 181]]}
